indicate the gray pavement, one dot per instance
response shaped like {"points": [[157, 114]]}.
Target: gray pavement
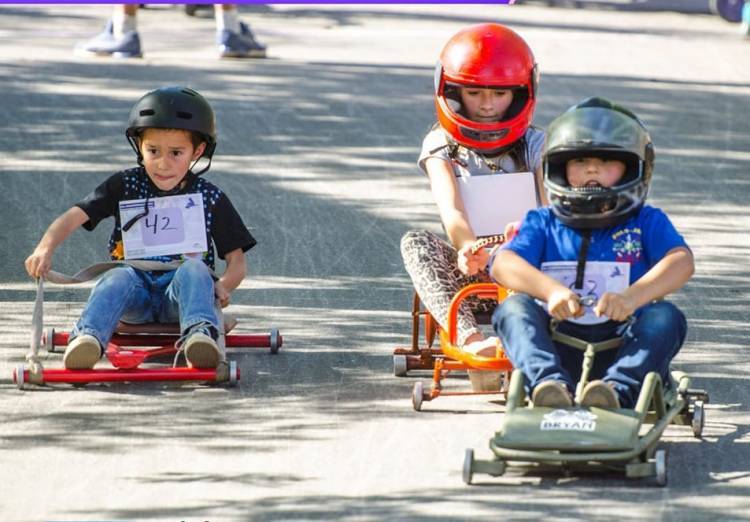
{"points": [[317, 147]]}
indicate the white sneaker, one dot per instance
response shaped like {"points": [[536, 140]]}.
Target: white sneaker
{"points": [[551, 394], [600, 394], [201, 351], [82, 353], [485, 348]]}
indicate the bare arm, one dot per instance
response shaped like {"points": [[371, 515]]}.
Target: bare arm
{"points": [[667, 276], [232, 276], [40, 261], [449, 202], [453, 215]]}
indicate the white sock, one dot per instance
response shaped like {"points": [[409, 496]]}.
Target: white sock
{"points": [[123, 23], [227, 19]]}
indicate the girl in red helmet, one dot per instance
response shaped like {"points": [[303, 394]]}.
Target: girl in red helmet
{"points": [[485, 93]]}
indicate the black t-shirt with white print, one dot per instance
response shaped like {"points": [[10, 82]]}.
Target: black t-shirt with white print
{"points": [[224, 227]]}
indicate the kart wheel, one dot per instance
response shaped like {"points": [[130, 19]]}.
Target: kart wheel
{"points": [[49, 339], [468, 472], [18, 376], [417, 395], [699, 419], [729, 10], [234, 375], [274, 342], [400, 368], [660, 463]]}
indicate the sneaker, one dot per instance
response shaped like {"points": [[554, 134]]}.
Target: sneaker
{"points": [[484, 348], [551, 394], [201, 350], [599, 394], [105, 44], [82, 353], [242, 45]]}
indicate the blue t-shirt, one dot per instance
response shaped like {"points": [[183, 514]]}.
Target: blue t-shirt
{"points": [[643, 240]]}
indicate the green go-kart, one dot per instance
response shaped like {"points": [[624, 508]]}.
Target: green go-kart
{"points": [[589, 438]]}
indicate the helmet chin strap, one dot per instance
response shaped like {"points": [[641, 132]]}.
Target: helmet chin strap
{"points": [[134, 145], [582, 253], [208, 166]]}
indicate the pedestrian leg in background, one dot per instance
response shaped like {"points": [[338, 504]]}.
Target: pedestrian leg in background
{"points": [[234, 37], [120, 38]]}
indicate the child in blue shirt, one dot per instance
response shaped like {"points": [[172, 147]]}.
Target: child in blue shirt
{"points": [[596, 239]]}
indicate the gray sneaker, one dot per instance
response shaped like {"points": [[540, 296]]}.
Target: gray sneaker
{"points": [[551, 394], [599, 394], [201, 350], [239, 45], [82, 353], [105, 44]]}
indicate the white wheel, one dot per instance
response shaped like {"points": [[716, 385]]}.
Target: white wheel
{"points": [[49, 339], [468, 472], [660, 463], [234, 376], [417, 395], [274, 342], [699, 419], [400, 368], [18, 376]]}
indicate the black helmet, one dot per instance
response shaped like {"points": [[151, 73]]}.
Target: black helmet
{"points": [[173, 108], [598, 128]]}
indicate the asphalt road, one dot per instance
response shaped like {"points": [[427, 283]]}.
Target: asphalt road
{"points": [[317, 149]]}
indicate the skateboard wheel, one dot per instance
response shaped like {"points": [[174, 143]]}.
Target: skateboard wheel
{"points": [[275, 340], [18, 376], [417, 395], [468, 472], [400, 368]]}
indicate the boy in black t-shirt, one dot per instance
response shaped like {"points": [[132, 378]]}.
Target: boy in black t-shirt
{"points": [[163, 212]]}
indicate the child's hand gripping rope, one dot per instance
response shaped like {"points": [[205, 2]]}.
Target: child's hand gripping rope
{"points": [[473, 258]]}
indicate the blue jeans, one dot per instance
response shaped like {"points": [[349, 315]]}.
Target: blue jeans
{"points": [[134, 296], [650, 343]]}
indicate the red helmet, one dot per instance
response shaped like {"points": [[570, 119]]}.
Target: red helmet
{"points": [[486, 55]]}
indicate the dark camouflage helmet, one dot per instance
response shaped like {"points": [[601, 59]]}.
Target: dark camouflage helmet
{"points": [[598, 128], [173, 108]]}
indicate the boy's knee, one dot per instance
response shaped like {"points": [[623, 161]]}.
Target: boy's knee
{"points": [[662, 315], [662, 318], [193, 268]]}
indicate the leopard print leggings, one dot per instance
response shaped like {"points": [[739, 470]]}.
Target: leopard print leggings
{"points": [[431, 264]]}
